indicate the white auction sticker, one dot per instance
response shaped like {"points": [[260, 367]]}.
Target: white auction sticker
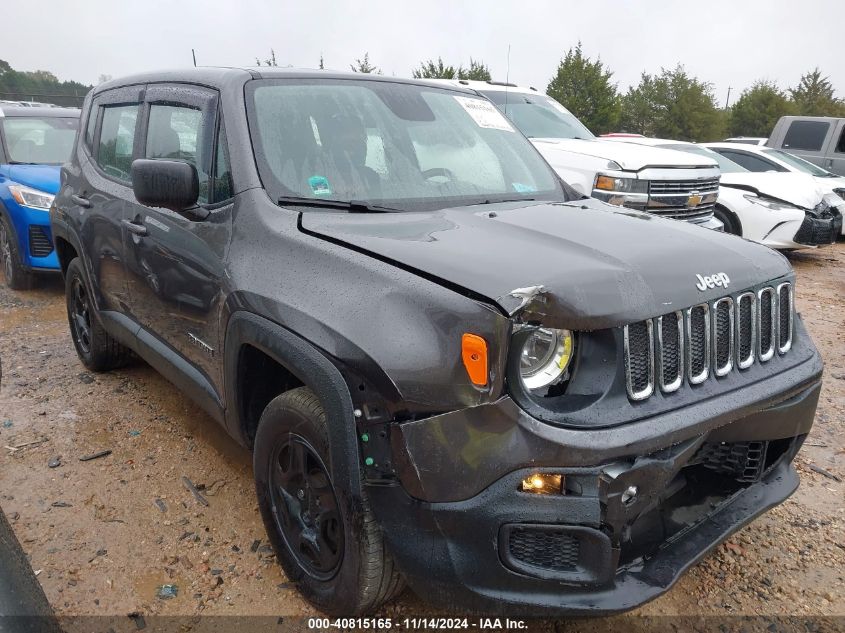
{"points": [[484, 113]]}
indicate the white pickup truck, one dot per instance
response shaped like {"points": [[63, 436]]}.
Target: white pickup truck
{"points": [[664, 182]]}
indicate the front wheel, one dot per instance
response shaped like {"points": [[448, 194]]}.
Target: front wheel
{"points": [[17, 277], [341, 570]]}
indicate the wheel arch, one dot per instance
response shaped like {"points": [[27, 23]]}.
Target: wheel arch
{"points": [[733, 217], [302, 364]]}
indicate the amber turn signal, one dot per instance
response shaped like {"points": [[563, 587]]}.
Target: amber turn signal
{"points": [[474, 354]]}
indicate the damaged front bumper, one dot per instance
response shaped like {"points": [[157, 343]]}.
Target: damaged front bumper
{"points": [[641, 503]]}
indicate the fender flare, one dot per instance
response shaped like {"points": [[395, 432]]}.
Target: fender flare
{"points": [[315, 371], [61, 229]]}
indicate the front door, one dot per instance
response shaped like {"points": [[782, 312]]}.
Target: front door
{"points": [[175, 261]]}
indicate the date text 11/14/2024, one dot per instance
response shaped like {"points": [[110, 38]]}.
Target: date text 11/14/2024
{"points": [[386, 624]]}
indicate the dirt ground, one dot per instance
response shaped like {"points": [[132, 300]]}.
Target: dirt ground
{"points": [[103, 535]]}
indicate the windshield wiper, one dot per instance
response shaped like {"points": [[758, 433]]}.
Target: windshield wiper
{"points": [[351, 206]]}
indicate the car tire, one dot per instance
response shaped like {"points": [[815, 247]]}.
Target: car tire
{"points": [[334, 553], [96, 348], [728, 219], [17, 277]]}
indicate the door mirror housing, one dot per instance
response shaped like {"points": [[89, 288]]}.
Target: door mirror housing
{"points": [[170, 184]]}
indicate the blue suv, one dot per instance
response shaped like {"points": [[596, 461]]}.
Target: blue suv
{"points": [[34, 142]]}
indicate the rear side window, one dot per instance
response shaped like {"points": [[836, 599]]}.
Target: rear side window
{"points": [[752, 162], [806, 135], [175, 133], [840, 146], [90, 126], [117, 140]]}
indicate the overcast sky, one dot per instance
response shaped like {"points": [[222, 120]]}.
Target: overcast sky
{"points": [[729, 43]]}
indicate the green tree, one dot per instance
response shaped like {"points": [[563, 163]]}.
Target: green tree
{"points": [[364, 66], [477, 71], [758, 109], [39, 85], [435, 70], [584, 87], [814, 96], [673, 105]]}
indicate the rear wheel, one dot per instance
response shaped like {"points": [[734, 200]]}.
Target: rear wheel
{"points": [[728, 219], [17, 277], [97, 350], [341, 570]]}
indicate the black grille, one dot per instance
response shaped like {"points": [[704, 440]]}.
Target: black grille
{"points": [[723, 326], [815, 231], [766, 323], [698, 340], [745, 330], [639, 359], [555, 550], [784, 317], [40, 244], [743, 461], [671, 363]]}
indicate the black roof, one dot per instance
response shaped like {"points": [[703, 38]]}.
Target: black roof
{"points": [[218, 76], [42, 113]]}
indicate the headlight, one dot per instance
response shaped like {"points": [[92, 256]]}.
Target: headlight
{"points": [[840, 193], [545, 357], [29, 197], [774, 205], [621, 185]]}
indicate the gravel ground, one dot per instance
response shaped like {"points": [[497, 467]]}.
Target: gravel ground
{"points": [[103, 535]]}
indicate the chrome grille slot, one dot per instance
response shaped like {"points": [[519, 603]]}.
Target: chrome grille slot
{"points": [[698, 343], [723, 336], [670, 350], [766, 323], [708, 339], [746, 329], [639, 359], [704, 185], [785, 311]]}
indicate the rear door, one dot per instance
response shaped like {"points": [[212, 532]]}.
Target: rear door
{"points": [[835, 159], [175, 261], [101, 192], [809, 138]]}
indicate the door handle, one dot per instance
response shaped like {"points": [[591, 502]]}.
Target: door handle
{"points": [[135, 228], [82, 202]]}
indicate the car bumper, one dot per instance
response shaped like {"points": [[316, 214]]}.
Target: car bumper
{"points": [[585, 551], [818, 231], [711, 223], [35, 237]]}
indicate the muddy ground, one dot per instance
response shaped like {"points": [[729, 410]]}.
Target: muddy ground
{"points": [[105, 534]]}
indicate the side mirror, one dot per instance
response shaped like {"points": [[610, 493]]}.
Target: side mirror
{"points": [[170, 184]]}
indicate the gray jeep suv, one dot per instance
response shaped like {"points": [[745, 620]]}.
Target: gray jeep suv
{"points": [[452, 371]]}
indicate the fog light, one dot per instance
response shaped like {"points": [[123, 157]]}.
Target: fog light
{"points": [[630, 495], [543, 484]]}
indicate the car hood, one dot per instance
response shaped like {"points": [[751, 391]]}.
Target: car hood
{"points": [[802, 190], [628, 155], [580, 265], [41, 177]]}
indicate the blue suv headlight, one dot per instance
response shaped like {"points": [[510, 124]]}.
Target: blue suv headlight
{"points": [[28, 197]]}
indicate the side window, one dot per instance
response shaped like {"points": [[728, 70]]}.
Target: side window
{"points": [[117, 140], [806, 135], [222, 171], [175, 133], [90, 126], [752, 162], [840, 146]]}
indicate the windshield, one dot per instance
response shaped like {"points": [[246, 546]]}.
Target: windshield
{"points": [[391, 144], [39, 140], [726, 165], [538, 116], [798, 163]]}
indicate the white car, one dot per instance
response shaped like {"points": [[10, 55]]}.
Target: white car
{"points": [[780, 210], [766, 159], [747, 140], [666, 183]]}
